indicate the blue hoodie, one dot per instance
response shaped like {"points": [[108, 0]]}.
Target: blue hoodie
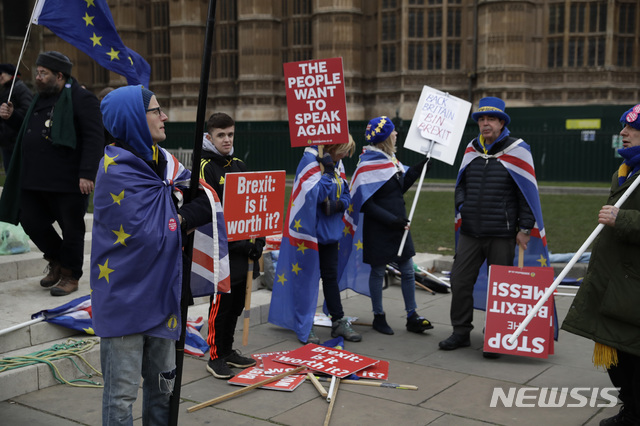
{"points": [[124, 116]]}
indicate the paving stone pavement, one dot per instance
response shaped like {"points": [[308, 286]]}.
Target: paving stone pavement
{"points": [[455, 388]]}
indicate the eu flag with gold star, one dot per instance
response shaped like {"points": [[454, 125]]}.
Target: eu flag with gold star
{"points": [[136, 248], [88, 25]]}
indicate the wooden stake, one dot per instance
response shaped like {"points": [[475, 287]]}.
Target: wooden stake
{"points": [[520, 257], [244, 390], [318, 386], [327, 419], [424, 287], [247, 305]]}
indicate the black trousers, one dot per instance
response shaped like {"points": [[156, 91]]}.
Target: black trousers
{"points": [[328, 257], [224, 313], [470, 255], [626, 376], [40, 209]]}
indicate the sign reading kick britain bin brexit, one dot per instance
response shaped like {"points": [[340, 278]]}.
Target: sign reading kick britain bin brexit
{"points": [[512, 293], [316, 102], [253, 204]]}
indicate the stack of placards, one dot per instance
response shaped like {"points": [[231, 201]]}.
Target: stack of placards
{"points": [[318, 359]]}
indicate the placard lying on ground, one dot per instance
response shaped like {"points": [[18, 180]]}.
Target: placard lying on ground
{"points": [[253, 204], [512, 293], [440, 118], [254, 375], [378, 371], [334, 362], [316, 102]]}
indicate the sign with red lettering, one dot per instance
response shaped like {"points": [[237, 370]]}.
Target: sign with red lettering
{"points": [[253, 204], [316, 102], [254, 375], [378, 371], [512, 293], [334, 362], [439, 120]]}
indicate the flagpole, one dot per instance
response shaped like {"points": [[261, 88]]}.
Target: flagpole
{"points": [[21, 325], [569, 265], [24, 46], [195, 173], [415, 199]]}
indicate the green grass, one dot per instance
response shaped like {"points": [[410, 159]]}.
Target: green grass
{"points": [[568, 220]]}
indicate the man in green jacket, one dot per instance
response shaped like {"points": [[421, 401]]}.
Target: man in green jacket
{"points": [[606, 309]]}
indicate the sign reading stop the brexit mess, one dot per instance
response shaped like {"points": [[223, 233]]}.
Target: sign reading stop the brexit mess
{"points": [[316, 102], [512, 293], [253, 204]]}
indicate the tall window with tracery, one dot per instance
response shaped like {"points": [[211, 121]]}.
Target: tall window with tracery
{"points": [[225, 63], [297, 41], [158, 43]]}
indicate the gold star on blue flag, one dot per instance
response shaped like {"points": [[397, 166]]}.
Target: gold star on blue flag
{"points": [[88, 25]]}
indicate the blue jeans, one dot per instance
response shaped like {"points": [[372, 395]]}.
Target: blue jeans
{"points": [[124, 360], [407, 284]]}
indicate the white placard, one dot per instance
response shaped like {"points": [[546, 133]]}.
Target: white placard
{"points": [[440, 118]]}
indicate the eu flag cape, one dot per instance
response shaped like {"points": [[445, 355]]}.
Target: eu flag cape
{"points": [[295, 290], [88, 25], [518, 161], [136, 254]]}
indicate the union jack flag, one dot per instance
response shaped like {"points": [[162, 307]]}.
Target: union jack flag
{"points": [[374, 169]]}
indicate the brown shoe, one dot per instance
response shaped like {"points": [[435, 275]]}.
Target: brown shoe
{"points": [[53, 275], [67, 284]]}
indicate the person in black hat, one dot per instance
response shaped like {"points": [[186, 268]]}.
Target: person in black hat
{"points": [[53, 169], [605, 308], [494, 215], [20, 99]]}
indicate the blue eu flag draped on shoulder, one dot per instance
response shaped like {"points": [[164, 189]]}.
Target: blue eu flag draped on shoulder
{"points": [[88, 25]]}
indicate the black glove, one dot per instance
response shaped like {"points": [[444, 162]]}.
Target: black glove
{"points": [[327, 162], [255, 250], [330, 207], [399, 223], [420, 165]]}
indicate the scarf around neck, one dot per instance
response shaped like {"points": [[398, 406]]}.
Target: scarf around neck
{"points": [[631, 163]]}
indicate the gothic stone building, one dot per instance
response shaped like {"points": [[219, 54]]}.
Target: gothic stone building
{"points": [[529, 52]]}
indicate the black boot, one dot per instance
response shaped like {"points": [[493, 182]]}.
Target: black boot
{"points": [[380, 324]]}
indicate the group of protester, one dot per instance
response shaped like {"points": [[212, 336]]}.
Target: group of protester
{"points": [[56, 145]]}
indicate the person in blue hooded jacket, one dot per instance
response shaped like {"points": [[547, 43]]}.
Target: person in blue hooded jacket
{"points": [[136, 256]]}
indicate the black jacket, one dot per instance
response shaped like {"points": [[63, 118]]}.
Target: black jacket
{"points": [[21, 99], [384, 219], [46, 167], [489, 200]]}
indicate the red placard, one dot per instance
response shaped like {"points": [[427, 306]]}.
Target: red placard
{"points": [[511, 294], [254, 375], [316, 102], [334, 362], [378, 371], [253, 204]]}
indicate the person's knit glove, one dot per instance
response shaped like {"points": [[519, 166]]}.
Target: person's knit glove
{"points": [[399, 223], [255, 250], [330, 207], [420, 165], [327, 162]]}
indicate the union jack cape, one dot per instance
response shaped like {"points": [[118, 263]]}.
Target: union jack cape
{"points": [[136, 254], [295, 289], [518, 161], [374, 169]]}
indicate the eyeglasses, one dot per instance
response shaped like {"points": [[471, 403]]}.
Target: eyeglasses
{"points": [[42, 74], [157, 110]]}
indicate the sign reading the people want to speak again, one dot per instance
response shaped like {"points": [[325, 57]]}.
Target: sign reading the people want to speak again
{"points": [[438, 124], [511, 294], [253, 204], [335, 362], [316, 102]]}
